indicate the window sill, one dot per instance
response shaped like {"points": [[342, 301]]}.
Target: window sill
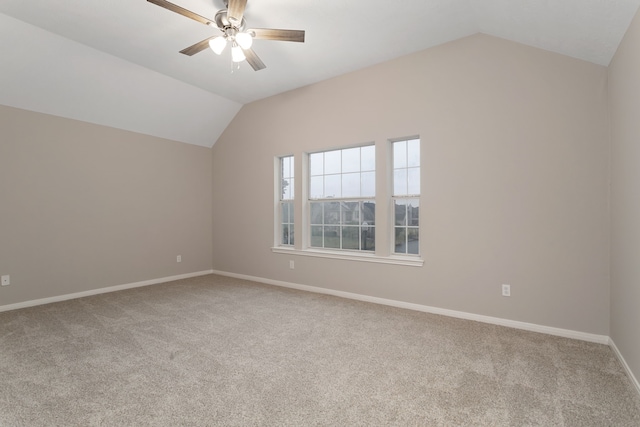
{"points": [[351, 256]]}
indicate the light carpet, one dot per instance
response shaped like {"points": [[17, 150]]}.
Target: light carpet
{"points": [[212, 350]]}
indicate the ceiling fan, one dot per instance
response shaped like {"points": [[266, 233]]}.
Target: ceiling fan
{"points": [[232, 25]]}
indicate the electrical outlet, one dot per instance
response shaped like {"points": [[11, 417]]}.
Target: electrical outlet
{"points": [[291, 265], [6, 280], [179, 258], [506, 290]]}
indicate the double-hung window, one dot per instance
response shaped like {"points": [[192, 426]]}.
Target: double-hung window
{"points": [[406, 196], [342, 189], [338, 203], [286, 200]]}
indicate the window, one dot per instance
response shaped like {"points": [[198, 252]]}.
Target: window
{"points": [[339, 195], [406, 196], [286, 200], [341, 199]]}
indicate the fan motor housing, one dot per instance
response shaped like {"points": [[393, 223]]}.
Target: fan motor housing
{"points": [[223, 22]]}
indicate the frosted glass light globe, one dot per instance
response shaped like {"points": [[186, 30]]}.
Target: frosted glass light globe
{"points": [[244, 40], [237, 55], [218, 44]]}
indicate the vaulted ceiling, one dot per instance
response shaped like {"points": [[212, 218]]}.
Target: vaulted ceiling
{"points": [[116, 62]]}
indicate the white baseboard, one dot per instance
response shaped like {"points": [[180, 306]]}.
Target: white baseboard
{"points": [[59, 298], [626, 367], [566, 333]]}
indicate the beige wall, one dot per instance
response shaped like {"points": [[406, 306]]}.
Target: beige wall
{"points": [[84, 206], [515, 181], [624, 90]]}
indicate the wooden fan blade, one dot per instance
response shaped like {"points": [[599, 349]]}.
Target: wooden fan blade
{"points": [[182, 11], [253, 60], [235, 10], [198, 47], [282, 35]]}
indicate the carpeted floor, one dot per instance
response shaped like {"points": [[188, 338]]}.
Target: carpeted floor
{"points": [[214, 351]]}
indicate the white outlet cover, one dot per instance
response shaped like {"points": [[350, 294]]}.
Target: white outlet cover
{"points": [[6, 280]]}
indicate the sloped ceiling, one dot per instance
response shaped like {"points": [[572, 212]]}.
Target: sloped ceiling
{"points": [[116, 62]]}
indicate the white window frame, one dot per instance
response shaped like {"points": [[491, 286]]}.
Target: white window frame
{"points": [[385, 222], [406, 197], [281, 202], [364, 230]]}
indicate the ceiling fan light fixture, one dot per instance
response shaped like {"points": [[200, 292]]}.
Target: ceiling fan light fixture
{"points": [[231, 23], [244, 40], [218, 44], [237, 55]]}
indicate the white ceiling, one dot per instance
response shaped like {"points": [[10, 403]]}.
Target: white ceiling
{"points": [[341, 36]]}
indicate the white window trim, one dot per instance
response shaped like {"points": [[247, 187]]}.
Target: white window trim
{"points": [[302, 244], [347, 255], [307, 200], [393, 198], [277, 237]]}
